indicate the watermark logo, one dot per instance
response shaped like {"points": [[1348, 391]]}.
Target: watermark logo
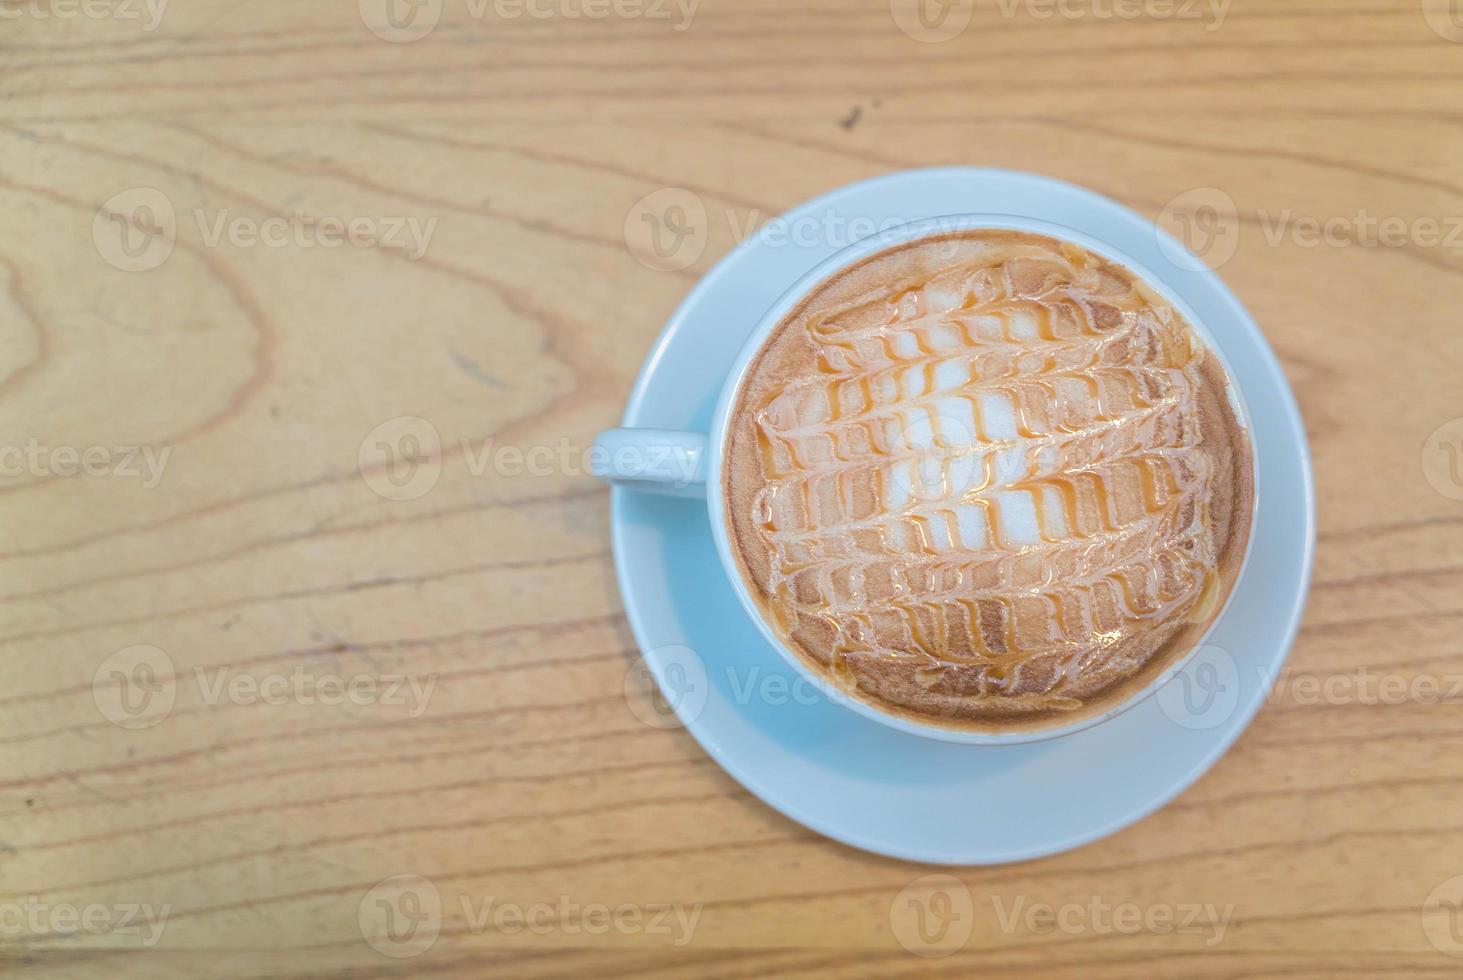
{"points": [[676, 922], [411, 692], [148, 13], [405, 21], [1205, 693], [1362, 230], [401, 21], [932, 21], [1202, 226], [667, 230], [1204, 229], [1445, 17], [407, 234], [1100, 917], [34, 919], [671, 460], [1442, 459], [1442, 917], [401, 459], [401, 916], [1366, 687], [682, 698], [686, 688], [142, 463], [136, 229], [1211, 13], [933, 916], [680, 13], [135, 687]]}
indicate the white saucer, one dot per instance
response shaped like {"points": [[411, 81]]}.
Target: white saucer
{"points": [[868, 785]]}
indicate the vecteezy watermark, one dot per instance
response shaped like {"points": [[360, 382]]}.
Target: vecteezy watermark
{"points": [[1442, 459], [39, 921], [407, 233], [1442, 917], [932, 916], [402, 917], [149, 13], [675, 921], [136, 230], [142, 463], [401, 21], [404, 21], [1360, 229], [678, 698], [1367, 687], [668, 230], [1100, 917], [670, 686], [401, 459], [136, 688], [1199, 229], [1445, 17], [1209, 13], [1206, 693], [1203, 229], [932, 21]]}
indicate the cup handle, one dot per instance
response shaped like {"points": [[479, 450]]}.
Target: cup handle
{"points": [[662, 461]]}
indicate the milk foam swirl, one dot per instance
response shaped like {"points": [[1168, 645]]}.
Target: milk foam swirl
{"points": [[996, 466]]}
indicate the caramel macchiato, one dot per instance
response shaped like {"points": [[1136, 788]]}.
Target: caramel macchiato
{"points": [[988, 479]]}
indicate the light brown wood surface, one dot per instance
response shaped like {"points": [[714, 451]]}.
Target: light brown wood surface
{"points": [[265, 554]]}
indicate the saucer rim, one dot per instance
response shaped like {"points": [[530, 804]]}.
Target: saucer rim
{"points": [[1225, 735], [939, 225]]}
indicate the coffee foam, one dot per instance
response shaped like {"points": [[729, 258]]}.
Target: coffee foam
{"points": [[987, 479]]}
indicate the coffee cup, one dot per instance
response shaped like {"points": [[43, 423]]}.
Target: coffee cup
{"points": [[692, 464]]}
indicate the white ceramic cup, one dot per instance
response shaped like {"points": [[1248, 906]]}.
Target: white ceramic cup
{"points": [[689, 464]]}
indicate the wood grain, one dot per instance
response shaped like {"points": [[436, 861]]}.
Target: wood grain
{"points": [[265, 552]]}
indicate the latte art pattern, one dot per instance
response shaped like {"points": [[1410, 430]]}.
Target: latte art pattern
{"points": [[994, 474]]}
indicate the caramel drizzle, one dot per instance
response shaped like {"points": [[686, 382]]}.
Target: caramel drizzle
{"points": [[995, 464]]}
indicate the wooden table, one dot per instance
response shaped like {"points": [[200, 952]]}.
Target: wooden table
{"points": [[246, 244]]}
